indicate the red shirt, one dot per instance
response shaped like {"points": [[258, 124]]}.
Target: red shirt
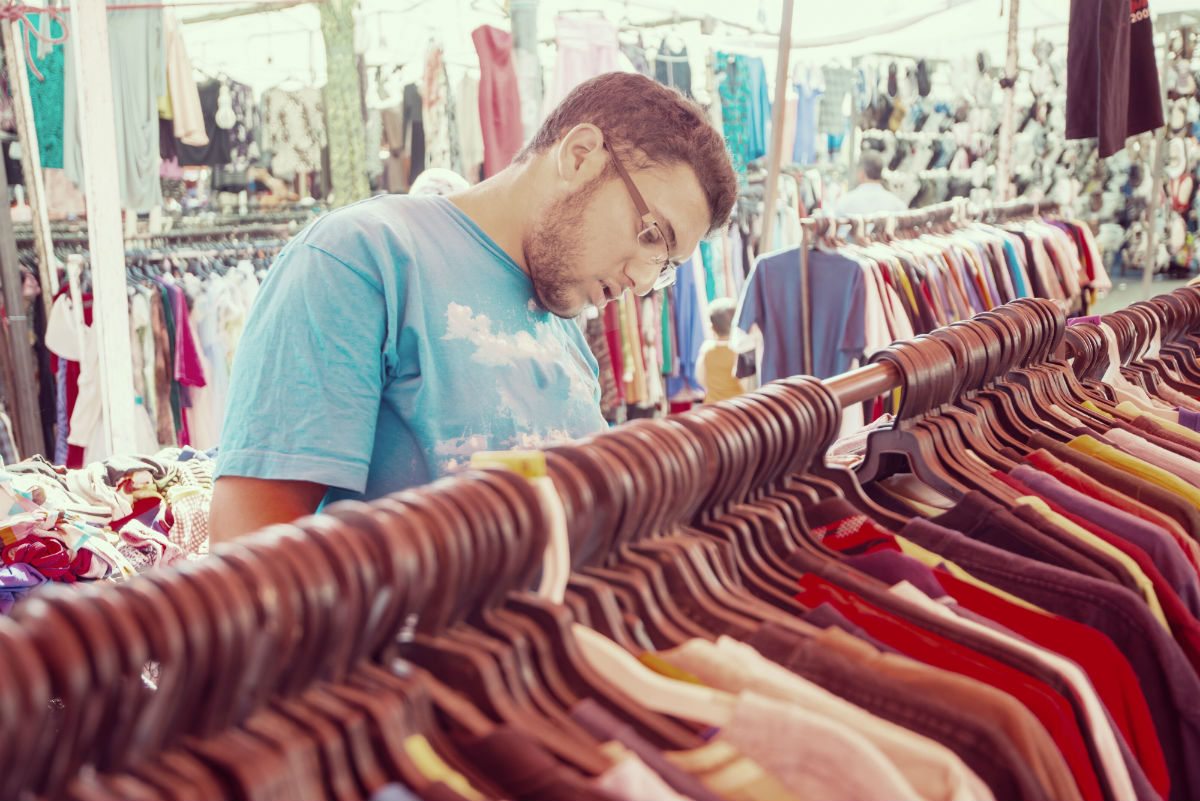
{"points": [[1184, 628], [1049, 707], [1108, 669]]}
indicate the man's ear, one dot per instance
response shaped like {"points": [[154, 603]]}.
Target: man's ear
{"points": [[580, 155]]}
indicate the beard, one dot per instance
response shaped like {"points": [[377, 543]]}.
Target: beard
{"points": [[554, 250]]}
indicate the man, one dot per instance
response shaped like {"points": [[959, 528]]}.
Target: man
{"points": [[393, 338], [869, 196]]}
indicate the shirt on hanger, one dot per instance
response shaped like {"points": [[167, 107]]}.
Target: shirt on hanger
{"points": [[1153, 540], [935, 772], [1112, 77], [772, 299], [1161, 668]]}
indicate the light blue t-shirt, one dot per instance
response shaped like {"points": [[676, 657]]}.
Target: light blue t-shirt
{"points": [[390, 340]]}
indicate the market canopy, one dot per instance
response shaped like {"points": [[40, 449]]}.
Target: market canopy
{"points": [[270, 47]]}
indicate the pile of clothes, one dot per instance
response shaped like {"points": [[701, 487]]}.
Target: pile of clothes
{"points": [[107, 521]]}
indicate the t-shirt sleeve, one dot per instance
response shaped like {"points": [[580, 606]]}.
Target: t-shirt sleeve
{"points": [[854, 338], [307, 378], [746, 315]]}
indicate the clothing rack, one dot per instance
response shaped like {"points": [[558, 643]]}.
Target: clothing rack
{"points": [[811, 228], [1165, 317], [234, 233], [815, 228], [342, 634], [338, 623]]}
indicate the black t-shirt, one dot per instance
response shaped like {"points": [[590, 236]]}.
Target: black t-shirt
{"points": [[1112, 76], [414, 123], [217, 152]]}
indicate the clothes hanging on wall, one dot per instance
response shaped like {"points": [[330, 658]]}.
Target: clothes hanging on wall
{"points": [[586, 47], [635, 51], [181, 102], [136, 46], [839, 82], [216, 150], [46, 94], [864, 297], [414, 131], [499, 99], [396, 165], [1112, 75], [470, 128], [293, 131], [672, 68], [440, 115], [745, 106], [243, 150]]}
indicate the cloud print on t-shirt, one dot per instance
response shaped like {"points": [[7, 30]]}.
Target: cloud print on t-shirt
{"points": [[541, 354]]}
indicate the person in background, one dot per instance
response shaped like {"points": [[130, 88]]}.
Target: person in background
{"points": [[715, 365], [869, 196]]}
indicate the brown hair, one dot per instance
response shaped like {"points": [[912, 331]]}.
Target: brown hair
{"points": [[647, 124], [871, 163], [720, 314]]}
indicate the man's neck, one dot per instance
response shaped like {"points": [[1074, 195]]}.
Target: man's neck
{"points": [[500, 207]]}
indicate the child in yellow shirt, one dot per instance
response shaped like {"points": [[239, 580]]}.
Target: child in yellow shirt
{"points": [[717, 361]]}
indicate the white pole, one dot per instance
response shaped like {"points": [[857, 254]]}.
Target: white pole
{"points": [[1166, 24], [775, 155], [97, 124], [1003, 191]]}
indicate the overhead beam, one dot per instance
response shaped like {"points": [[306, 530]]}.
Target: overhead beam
{"points": [[257, 8]]}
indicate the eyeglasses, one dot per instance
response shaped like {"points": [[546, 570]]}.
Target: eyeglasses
{"points": [[651, 236]]}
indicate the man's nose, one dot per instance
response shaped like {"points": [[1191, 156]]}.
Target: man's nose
{"points": [[643, 274]]}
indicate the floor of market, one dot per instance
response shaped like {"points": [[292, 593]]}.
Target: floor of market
{"points": [[1128, 289]]}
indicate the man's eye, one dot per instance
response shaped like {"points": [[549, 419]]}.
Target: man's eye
{"points": [[650, 236]]}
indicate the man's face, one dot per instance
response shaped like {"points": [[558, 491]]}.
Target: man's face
{"points": [[584, 250]]}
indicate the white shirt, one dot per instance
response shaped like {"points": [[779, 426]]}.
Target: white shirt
{"points": [[869, 197]]}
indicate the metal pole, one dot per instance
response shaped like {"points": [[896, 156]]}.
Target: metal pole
{"points": [[523, 18], [27, 417], [1166, 23], [1003, 191], [97, 124], [776, 153]]}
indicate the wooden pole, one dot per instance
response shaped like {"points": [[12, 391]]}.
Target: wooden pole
{"points": [[31, 160], [1003, 191], [775, 157], [23, 394], [97, 124]]}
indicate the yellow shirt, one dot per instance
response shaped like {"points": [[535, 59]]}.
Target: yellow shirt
{"points": [[931, 559], [1131, 464], [719, 361], [1170, 425], [1145, 586], [434, 768]]}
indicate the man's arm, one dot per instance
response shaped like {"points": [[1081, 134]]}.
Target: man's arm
{"points": [[241, 505]]}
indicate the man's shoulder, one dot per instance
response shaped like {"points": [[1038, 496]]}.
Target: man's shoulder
{"points": [[385, 230], [395, 215]]}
